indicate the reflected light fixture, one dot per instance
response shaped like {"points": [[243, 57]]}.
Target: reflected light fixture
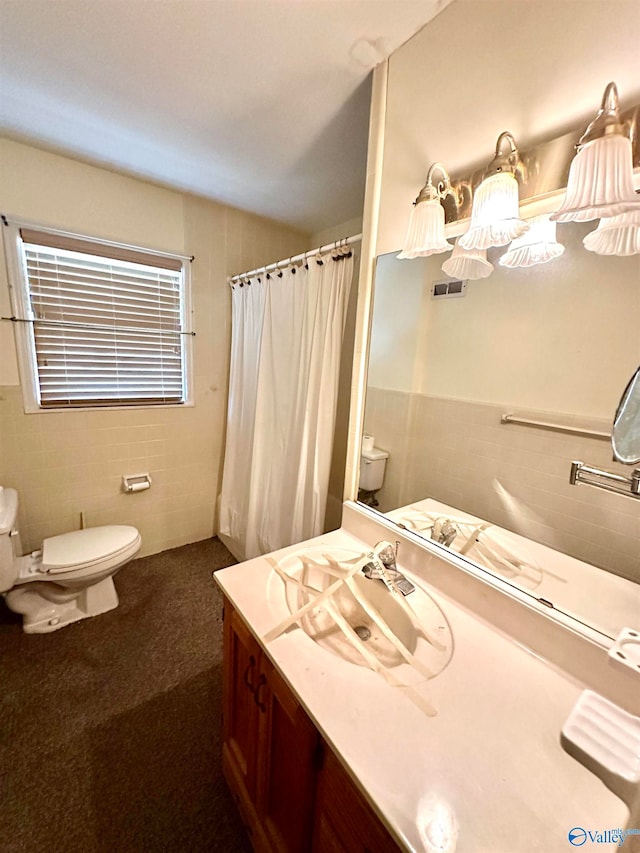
{"points": [[495, 215], [600, 181], [616, 235], [425, 234], [467, 263], [538, 245]]}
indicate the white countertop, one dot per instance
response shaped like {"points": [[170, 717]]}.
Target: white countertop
{"points": [[489, 764]]}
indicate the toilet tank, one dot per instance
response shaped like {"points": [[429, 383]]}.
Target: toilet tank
{"points": [[8, 517], [372, 465]]}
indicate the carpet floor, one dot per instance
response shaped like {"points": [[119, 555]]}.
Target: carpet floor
{"points": [[110, 728]]}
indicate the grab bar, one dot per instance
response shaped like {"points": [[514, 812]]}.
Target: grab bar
{"points": [[511, 418], [627, 486]]}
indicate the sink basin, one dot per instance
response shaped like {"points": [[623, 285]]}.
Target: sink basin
{"points": [[380, 620]]}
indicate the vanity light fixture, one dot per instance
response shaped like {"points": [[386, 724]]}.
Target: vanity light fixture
{"points": [[536, 246], [495, 215], [467, 263], [425, 234], [600, 181], [616, 235]]}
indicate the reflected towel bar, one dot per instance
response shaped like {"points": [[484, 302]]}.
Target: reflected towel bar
{"points": [[510, 418]]}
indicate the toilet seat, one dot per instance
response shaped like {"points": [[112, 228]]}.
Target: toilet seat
{"points": [[85, 551]]}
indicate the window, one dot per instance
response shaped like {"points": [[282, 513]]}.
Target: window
{"points": [[99, 324]]}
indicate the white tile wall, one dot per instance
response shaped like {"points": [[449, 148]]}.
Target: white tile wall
{"points": [[515, 476]]}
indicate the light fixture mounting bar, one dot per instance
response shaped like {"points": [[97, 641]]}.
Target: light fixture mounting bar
{"points": [[542, 170]]}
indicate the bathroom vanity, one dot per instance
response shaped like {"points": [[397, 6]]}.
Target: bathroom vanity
{"points": [[290, 788], [324, 754]]}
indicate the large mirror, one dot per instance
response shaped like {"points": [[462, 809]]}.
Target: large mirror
{"points": [[625, 437], [482, 397]]}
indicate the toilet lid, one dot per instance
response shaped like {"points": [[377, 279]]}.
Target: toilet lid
{"points": [[82, 547], [374, 454]]}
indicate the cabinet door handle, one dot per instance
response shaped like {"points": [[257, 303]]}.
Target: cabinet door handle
{"points": [[248, 670], [262, 680]]}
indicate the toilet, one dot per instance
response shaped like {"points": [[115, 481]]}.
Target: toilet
{"points": [[69, 578], [373, 462]]}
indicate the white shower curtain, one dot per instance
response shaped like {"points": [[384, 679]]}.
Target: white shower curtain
{"points": [[285, 361]]}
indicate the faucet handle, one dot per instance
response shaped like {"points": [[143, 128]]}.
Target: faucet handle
{"points": [[386, 552], [444, 531]]}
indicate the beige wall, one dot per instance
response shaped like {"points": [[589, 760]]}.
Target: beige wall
{"points": [[345, 229], [71, 462], [558, 337], [396, 327]]}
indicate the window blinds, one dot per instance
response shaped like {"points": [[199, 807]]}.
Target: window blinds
{"points": [[107, 329]]}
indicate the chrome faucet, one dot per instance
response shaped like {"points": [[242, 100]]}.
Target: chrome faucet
{"points": [[444, 531], [382, 566]]}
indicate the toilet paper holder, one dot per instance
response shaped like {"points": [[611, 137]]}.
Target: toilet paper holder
{"points": [[136, 482]]}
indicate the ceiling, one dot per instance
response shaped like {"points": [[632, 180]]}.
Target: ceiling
{"points": [[260, 104]]}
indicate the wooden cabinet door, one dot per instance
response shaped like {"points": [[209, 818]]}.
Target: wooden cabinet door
{"points": [[241, 672], [344, 820], [288, 762], [271, 758]]}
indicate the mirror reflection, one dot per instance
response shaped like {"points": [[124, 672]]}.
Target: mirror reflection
{"points": [[480, 396], [626, 425]]}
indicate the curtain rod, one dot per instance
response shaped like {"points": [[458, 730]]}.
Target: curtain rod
{"points": [[344, 241]]}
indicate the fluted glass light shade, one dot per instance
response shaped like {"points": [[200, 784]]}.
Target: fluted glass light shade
{"points": [[467, 263], [538, 245], [616, 235], [495, 216], [600, 181], [425, 234]]}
